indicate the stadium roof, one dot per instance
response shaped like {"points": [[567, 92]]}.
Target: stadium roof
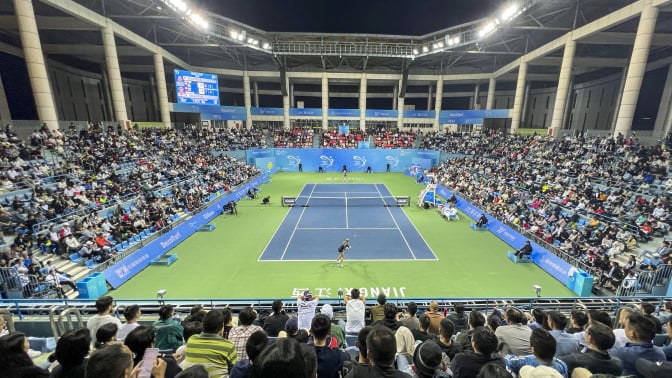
{"points": [[231, 45]]}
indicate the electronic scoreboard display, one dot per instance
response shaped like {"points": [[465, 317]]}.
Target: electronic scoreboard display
{"points": [[196, 88]]}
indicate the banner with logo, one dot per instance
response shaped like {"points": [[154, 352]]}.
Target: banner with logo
{"points": [[267, 111], [356, 160], [132, 264]]}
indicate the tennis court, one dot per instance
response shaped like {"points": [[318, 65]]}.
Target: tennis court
{"points": [[327, 214]]}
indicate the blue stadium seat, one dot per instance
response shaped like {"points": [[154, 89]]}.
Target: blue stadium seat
{"points": [[75, 258]]}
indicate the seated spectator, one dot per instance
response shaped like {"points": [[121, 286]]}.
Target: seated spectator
{"points": [[106, 335], [391, 317], [641, 330], [543, 346], [239, 335], [143, 337], [253, 347], [514, 335], [566, 343], [330, 359], [648, 309], [484, 344], [71, 352], [209, 348], [381, 349], [599, 339], [132, 315], [293, 331], [14, 358], [282, 359], [475, 320], [362, 367], [275, 322], [168, 330], [445, 342], [422, 333], [458, 318], [409, 319]]}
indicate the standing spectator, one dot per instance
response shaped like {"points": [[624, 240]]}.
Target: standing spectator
{"points": [[515, 334], [132, 314], [168, 330], [434, 317], [355, 310], [468, 364], [306, 303], [104, 307], [242, 332], [409, 320], [641, 330], [447, 329], [458, 318], [210, 349], [329, 359], [275, 323], [599, 339], [377, 311]]}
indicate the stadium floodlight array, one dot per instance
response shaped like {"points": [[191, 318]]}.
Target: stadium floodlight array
{"points": [[186, 12], [345, 201]]}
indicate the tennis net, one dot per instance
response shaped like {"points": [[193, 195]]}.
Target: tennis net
{"points": [[345, 201]]}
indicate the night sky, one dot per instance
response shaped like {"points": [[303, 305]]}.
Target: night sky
{"points": [[401, 17]]}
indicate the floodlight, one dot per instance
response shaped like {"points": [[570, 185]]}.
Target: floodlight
{"points": [[425, 49], [233, 34], [537, 290], [510, 12], [241, 36], [487, 29], [415, 52], [266, 45]]}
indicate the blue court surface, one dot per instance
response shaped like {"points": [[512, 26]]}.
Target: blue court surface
{"points": [[339, 211]]}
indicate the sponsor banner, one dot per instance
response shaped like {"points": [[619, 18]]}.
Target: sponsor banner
{"points": [[369, 292], [288, 159], [461, 121], [132, 264], [305, 112], [552, 264], [343, 113], [267, 111], [363, 145], [376, 113], [419, 114], [461, 117], [149, 125]]}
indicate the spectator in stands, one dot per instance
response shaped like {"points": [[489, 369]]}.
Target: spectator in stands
{"points": [[242, 332], [191, 328], [132, 315], [578, 320], [293, 331], [476, 319], [434, 317], [565, 343], [484, 345], [514, 335], [168, 330], [666, 312], [117, 361], [409, 319], [422, 333], [355, 310], [543, 347], [71, 352], [329, 358], [458, 317], [275, 323], [381, 350], [104, 307], [253, 347], [598, 339], [647, 309], [210, 349], [14, 357], [306, 304], [493, 322], [336, 331], [391, 317], [377, 311], [106, 335], [144, 337], [228, 322], [445, 341], [282, 359], [362, 367], [641, 330], [619, 333]]}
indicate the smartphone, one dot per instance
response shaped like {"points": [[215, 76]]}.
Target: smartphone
{"points": [[148, 359]]}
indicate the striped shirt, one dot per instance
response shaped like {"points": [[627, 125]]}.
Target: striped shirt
{"points": [[214, 352]]}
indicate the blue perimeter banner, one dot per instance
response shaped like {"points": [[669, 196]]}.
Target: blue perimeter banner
{"points": [[471, 117], [213, 112], [132, 264], [552, 264], [305, 112], [267, 111], [343, 113], [332, 160], [381, 113], [429, 114]]}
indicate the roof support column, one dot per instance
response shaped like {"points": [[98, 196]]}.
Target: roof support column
{"points": [[5, 114], [285, 104], [636, 68], [492, 85], [362, 102], [516, 114], [400, 108], [664, 118], [37, 70], [161, 89], [247, 99], [256, 94], [114, 73], [325, 101], [564, 81], [438, 103], [477, 94], [429, 98]]}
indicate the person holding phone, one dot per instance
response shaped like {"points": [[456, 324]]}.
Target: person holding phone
{"points": [[141, 342]]}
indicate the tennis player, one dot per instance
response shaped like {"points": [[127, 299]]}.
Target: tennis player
{"points": [[341, 252]]}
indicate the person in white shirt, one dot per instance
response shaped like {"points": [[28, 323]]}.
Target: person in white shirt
{"points": [[132, 314], [104, 307], [306, 303], [355, 308]]}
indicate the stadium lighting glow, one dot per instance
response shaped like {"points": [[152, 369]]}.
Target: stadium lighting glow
{"points": [[487, 29], [415, 52], [266, 46], [425, 49], [510, 12]]}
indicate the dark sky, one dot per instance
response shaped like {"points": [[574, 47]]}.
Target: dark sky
{"points": [[352, 16]]}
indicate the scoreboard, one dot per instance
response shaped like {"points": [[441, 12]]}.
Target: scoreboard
{"points": [[196, 88]]}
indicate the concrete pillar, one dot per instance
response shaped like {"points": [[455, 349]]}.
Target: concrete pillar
{"points": [[400, 107], [477, 93], [662, 125], [37, 70], [490, 102], [285, 107], [162, 89], [153, 93], [516, 114], [561, 95], [636, 68], [5, 114], [247, 99], [438, 103], [256, 94], [292, 103], [114, 74], [394, 97], [107, 96], [568, 105], [362, 103], [523, 115], [429, 98], [325, 101]]}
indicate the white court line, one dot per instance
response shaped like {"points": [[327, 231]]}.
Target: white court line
{"points": [[397, 224], [346, 210], [296, 226], [357, 260], [276, 230], [349, 228]]}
